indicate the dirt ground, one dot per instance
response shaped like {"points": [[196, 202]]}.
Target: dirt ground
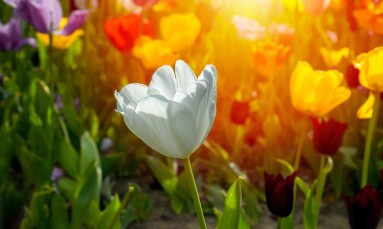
{"points": [[333, 215]]}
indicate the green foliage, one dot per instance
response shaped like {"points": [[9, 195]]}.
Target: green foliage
{"points": [[177, 187], [233, 214]]}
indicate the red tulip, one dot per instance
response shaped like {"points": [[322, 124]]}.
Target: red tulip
{"points": [[123, 32], [240, 111], [352, 76], [328, 135]]}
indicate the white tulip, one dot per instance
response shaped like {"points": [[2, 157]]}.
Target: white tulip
{"points": [[175, 113]]}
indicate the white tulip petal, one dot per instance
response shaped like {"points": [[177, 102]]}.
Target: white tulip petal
{"points": [[151, 125], [120, 102], [184, 74], [163, 82], [133, 93], [183, 110], [175, 113], [128, 117], [208, 74], [207, 111]]}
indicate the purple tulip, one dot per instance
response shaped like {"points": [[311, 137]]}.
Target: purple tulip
{"points": [[10, 36], [45, 15]]}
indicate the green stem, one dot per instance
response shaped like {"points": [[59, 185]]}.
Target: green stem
{"points": [[49, 75], [298, 156], [319, 189], [194, 192], [370, 134], [322, 33]]}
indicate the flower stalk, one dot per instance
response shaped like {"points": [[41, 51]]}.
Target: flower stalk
{"points": [[194, 192], [370, 134]]}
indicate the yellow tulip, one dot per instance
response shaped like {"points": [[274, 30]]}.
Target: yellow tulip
{"points": [[371, 71], [59, 41], [153, 53], [180, 30], [332, 57], [316, 92]]}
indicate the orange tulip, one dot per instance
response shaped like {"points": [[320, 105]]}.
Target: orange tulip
{"points": [[370, 15], [269, 56]]}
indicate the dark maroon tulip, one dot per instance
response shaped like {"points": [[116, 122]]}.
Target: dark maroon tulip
{"points": [[240, 111], [364, 209], [352, 76], [328, 135], [381, 174], [279, 193]]}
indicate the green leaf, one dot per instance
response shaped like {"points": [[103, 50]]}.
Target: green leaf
{"points": [[251, 207], [309, 211], [35, 169], [90, 161], [302, 185], [214, 194], [286, 164], [138, 209], [163, 174], [89, 152], [83, 198], [232, 211], [243, 223], [107, 216], [59, 213], [95, 125], [69, 159], [286, 222], [38, 212], [67, 187]]}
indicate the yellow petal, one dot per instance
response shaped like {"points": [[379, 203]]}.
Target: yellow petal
{"points": [[58, 41], [333, 57], [339, 96], [371, 71], [365, 111]]}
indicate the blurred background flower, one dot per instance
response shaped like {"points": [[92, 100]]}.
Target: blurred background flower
{"points": [[11, 36]]}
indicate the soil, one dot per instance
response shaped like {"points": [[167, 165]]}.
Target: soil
{"points": [[333, 213]]}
